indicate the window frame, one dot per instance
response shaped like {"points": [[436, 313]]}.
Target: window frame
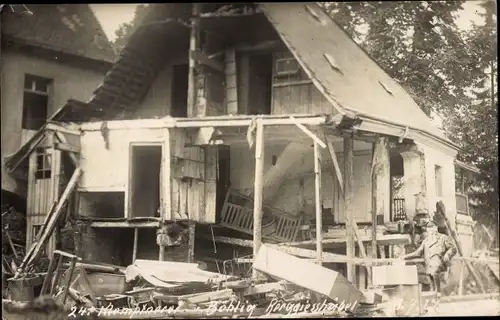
{"points": [[35, 86]]}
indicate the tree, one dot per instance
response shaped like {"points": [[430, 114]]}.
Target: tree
{"points": [[414, 41], [446, 70], [475, 126], [126, 29]]}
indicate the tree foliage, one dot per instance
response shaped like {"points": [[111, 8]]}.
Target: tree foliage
{"points": [[446, 70], [126, 29]]}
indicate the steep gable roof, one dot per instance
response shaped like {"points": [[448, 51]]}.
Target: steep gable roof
{"points": [[339, 68], [68, 28], [342, 70]]}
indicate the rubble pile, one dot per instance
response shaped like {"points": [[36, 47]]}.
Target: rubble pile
{"points": [[167, 289]]}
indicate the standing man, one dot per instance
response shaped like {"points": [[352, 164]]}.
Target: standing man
{"points": [[438, 250]]}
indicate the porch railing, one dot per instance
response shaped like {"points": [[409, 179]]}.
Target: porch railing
{"points": [[398, 210], [237, 214]]}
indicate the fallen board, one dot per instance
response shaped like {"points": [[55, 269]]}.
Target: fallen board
{"points": [[308, 275]]}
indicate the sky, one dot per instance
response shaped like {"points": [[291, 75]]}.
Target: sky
{"points": [[112, 15]]}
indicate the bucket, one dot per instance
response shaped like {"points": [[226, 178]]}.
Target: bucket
{"points": [[22, 289]]}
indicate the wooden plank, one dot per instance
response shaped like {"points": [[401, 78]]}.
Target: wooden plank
{"points": [[200, 57], [258, 189], [136, 240], [317, 202], [62, 138], [349, 202]]}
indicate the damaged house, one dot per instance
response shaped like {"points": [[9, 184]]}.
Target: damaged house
{"points": [[249, 124], [51, 54]]}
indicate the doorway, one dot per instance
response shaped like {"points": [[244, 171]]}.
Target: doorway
{"points": [[144, 189], [260, 83]]}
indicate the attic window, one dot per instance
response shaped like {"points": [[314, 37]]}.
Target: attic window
{"points": [[386, 88], [332, 62], [315, 14]]}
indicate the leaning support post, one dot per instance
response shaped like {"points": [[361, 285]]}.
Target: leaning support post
{"points": [[258, 187], [136, 241], [192, 228], [317, 202], [374, 199], [349, 202]]}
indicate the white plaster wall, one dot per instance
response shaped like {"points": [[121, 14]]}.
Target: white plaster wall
{"points": [[69, 82], [294, 192], [109, 168], [445, 160]]}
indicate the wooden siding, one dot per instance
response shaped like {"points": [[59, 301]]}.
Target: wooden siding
{"points": [[193, 180], [296, 94]]}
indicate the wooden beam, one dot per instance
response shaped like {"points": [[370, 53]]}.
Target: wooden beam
{"points": [[258, 188], [136, 240], [194, 45], [66, 147], [73, 156], [308, 132], [349, 202], [200, 57], [335, 162], [317, 202]]}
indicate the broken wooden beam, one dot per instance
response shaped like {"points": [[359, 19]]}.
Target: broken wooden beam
{"points": [[200, 57], [307, 275]]}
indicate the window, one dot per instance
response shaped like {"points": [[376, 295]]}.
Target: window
{"points": [[43, 164], [35, 101], [438, 176]]}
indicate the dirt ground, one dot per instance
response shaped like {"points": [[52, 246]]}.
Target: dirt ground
{"points": [[468, 308]]}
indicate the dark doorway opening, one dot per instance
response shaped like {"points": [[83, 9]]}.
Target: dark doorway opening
{"points": [[179, 90], [145, 181], [260, 83]]}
